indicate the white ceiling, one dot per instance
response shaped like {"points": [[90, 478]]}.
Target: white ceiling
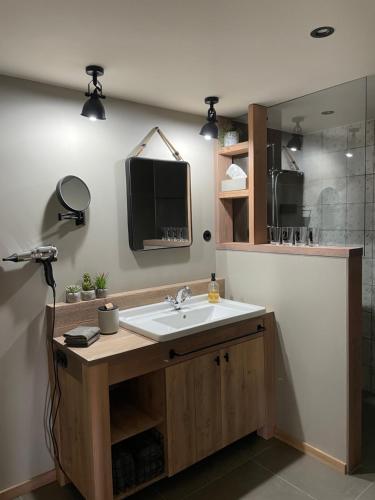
{"points": [[173, 53]]}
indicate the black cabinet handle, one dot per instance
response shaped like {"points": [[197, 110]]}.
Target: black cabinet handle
{"points": [[226, 357], [173, 354], [217, 360]]}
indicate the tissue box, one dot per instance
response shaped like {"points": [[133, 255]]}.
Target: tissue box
{"points": [[233, 184]]}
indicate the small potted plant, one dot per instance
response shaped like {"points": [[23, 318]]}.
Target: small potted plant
{"points": [[88, 287], [101, 285], [73, 293]]}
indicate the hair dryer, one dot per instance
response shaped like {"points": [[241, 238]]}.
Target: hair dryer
{"points": [[44, 255]]}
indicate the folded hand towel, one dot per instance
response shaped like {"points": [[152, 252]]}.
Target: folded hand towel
{"points": [[84, 333], [72, 342]]}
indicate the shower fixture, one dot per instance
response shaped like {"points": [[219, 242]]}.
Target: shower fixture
{"points": [[93, 108], [209, 129], [295, 143]]}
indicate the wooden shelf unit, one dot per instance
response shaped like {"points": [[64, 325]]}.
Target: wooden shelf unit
{"points": [[248, 206], [128, 420], [241, 148], [243, 193], [140, 487]]}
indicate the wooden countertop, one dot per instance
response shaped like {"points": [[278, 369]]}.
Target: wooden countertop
{"points": [[108, 345], [321, 251]]}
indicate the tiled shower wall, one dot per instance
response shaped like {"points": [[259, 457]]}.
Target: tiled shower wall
{"points": [[338, 197]]}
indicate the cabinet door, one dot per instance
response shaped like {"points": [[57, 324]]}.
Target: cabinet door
{"points": [[180, 401], [242, 387], [193, 410], [207, 404]]}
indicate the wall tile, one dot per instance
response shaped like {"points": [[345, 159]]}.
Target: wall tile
{"points": [[356, 135], [312, 143], [370, 159], [335, 139], [334, 217], [369, 239], [366, 324], [355, 238], [366, 298], [329, 237], [370, 132], [366, 352], [367, 271], [356, 165], [312, 192], [356, 189], [333, 165], [369, 188], [355, 216], [369, 216], [334, 191]]}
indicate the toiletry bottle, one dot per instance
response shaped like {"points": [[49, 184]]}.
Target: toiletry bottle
{"points": [[213, 290]]}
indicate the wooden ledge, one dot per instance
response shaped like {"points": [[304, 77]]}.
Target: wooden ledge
{"points": [[322, 251]]}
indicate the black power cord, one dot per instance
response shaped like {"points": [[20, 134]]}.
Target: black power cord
{"points": [[56, 391]]}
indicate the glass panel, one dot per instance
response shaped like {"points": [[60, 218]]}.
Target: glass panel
{"points": [[317, 163]]}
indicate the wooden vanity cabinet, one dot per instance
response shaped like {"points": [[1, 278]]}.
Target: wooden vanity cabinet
{"points": [[213, 400], [200, 393]]}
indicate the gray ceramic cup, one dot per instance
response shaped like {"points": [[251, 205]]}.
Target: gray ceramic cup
{"points": [[108, 320]]}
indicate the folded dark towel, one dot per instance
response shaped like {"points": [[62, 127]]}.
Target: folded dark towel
{"points": [[123, 469], [78, 342], [84, 333], [146, 472]]}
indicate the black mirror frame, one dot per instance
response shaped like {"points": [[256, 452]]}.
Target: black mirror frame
{"points": [[72, 214]]}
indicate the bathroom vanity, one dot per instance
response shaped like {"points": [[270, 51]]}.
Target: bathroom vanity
{"points": [[200, 392]]}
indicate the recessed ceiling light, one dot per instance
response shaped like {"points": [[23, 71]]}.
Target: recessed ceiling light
{"points": [[328, 112], [348, 154], [322, 32]]}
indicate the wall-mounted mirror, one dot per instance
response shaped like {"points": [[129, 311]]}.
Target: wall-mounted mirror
{"points": [[74, 195], [159, 204]]}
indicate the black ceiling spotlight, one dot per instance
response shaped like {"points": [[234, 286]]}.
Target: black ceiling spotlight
{"points": [[210, 130], [93, 108], [322, 32], [295, 143]]}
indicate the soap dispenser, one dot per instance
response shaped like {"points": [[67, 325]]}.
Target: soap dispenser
{"points": [[213, 290]]}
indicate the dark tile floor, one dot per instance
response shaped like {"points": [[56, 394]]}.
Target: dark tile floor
{"points": [[254, 469]]}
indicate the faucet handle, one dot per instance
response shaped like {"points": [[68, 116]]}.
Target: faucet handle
{"points": [[169, 299]]}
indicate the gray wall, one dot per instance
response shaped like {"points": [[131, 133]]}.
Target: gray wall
{"points": [[42, 138], [311, 362]]}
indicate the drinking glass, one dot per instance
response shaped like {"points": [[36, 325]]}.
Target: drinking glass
{"points": [[313, 236], [300, 236], [274, 234], [287, 236]]}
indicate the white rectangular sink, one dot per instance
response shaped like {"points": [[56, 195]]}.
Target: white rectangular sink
{"points": [[161, 322]]}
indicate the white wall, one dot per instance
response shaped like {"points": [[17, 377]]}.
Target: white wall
{"points": [[309, 297], [43, 138]]}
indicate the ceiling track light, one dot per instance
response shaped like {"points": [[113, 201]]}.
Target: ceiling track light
{"points": [[209, 129], [322, 32], [93, 108]]}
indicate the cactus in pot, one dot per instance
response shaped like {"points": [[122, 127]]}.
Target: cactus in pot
{"points": [[88, 287], [101, 285], [73, 293]]}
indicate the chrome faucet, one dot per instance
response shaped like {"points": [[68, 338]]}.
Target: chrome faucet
{"points": [[182, 295]]}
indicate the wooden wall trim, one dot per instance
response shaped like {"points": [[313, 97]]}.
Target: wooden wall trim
{"points": [[312, 451], [29, 485], [354, 374], [293, 250], [257, 173]]}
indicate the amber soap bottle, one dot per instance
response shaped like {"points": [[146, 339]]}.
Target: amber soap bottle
{"points": [[213, 290]]}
